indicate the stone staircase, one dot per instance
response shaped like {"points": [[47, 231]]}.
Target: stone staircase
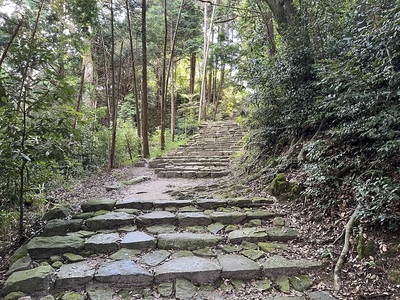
{"points": [[207, 154], [163, 249]]}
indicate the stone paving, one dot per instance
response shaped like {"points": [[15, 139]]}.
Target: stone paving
{"points": [[152, 246], [206, 155], [134, 248]]}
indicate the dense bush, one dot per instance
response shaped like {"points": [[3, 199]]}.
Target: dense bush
{"points": [[332, 112]]}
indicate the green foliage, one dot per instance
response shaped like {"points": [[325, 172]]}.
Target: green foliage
{"points": [[327, 105], [154, 141]]}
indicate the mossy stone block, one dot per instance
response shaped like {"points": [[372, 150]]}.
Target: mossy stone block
{"points": [[301, 283], [30, 281], [283, 284], [14, 296]]}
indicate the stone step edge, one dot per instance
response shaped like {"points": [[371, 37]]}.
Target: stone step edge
{"points": [[141, 204], [198, 270], [194, 174]]}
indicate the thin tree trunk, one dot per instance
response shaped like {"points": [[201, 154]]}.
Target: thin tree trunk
{"points": [[145, 136], [219, 90], [203, 100], [204, 73], [111, 159], [16, 30], [173, 102], [163, 79], [192, 72], [23, 93], [106, 83], [79, 100], [135, 89], [171, 67]]}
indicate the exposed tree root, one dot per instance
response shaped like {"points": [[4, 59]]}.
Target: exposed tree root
{"points": [[345, 250]]}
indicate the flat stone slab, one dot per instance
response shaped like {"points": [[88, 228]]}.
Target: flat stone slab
{"points": [[103, 242], [260, 201], [98, 204], [44, 247], [239, 267], [62, 227], [282, 234], [163, 203], [99, 293], [248, 234], [239, 202], [257, 234], [136, 203], [155, 258], [187, 240], [29, 281], [278, 265], [227, 218], [196, 269], [215, 227], [260, 214], [184, 289], [193, 219], [24, 263], [109, 221], [157, 218], [125, 253], [211, 203], [74, 276], [157, 229], [138, 240], [123, 273]]}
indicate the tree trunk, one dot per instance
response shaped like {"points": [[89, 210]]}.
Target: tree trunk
{"points": [[192, 72], [111, 159], [145, 124], [173, 102], [171, 69], [80, 93], [283, 11], [106, 84], [23, 106], [203, 100], [219, 90], [135, 89], [163, 80]]}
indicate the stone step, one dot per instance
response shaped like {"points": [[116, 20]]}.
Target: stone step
{"points": [[157, 162], [194, 168], [192, 174], [152, 270], [108, 242], [202, 153], [160, 246]]}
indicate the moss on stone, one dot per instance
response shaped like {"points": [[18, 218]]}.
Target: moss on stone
{"points": [[72, 296], [300, 282], [394, 277], [369, 249], [283, 189], [360, 246], [20, 253], [283, 284], [14, 296], [263, 285]]}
